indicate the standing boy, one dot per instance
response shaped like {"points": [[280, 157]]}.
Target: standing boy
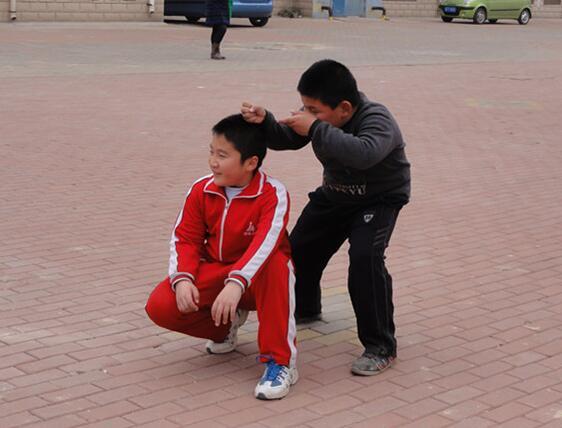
{"points": [[366, 181], [230, 254]]}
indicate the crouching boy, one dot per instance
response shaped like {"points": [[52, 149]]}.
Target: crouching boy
{"points": [[230, 254]]}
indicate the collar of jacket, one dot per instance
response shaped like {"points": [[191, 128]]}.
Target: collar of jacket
{"points": [[252, 190]]}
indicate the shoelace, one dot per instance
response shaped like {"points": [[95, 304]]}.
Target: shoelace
{"points": [[273, 371]]}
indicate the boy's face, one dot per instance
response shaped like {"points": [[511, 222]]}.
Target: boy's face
{"points": [[337, 117], [225, 163]]}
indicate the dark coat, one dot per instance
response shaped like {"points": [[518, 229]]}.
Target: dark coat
{"points": [[218, 12]]}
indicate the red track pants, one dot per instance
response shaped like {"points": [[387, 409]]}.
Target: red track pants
{"points": [[271, 294]]}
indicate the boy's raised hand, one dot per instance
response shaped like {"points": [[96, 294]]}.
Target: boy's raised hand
{"points": [[187, 297], [252, 113], [300, 121], [224, 306]]}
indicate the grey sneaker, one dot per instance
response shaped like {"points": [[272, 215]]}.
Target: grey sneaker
{"points": [[370, 364], [229, 344]]}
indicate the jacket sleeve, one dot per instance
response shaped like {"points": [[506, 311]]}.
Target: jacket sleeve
{"points": [[375, 138], [281, 137], [271, 229], [188, 238]]}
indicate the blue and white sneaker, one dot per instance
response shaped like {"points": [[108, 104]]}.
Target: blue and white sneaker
{"points": [[230, 342], [276, 381]]}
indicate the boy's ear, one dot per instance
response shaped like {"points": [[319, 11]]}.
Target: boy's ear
{"points": [[346, 107], [251, 163]]}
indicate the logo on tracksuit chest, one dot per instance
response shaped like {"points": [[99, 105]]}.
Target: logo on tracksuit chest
{"points": [[368, 217], [250, 230]]}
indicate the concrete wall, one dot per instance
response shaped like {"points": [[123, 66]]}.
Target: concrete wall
{"points": [[423, 8], [82, 10], [548, 11]]}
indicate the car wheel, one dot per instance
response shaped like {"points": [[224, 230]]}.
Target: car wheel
{"points": [[524, 17], [492, 21], [259, 22], [479, 16], [192, 19], [446, 19]]}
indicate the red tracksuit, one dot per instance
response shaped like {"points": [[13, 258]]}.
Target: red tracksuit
{"points": [[244, 240]]}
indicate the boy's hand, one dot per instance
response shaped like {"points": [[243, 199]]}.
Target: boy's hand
{"points": [[300, 122], [224, 307], [252, 113], [187, 297]]}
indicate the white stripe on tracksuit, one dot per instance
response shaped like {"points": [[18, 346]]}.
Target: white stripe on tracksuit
{"points": [[277, 227], [173, 265], [292, 327]]}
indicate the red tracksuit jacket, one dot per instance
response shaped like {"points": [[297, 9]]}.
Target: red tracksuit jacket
{"points": [[243, 232]]}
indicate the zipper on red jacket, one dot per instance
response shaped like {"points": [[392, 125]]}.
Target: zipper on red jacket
{"points": [[225, 211]]}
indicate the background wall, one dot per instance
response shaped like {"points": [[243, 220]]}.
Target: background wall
{"points": [[82, 10]]}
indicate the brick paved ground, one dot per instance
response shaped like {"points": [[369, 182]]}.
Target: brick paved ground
{"points": [[103, 126]]}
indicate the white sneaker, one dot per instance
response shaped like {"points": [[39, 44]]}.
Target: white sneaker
{"points": [[276, 381], [229, 344]]}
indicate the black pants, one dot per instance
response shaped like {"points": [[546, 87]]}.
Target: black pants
{"points": [[320, 231], [219, 30]]}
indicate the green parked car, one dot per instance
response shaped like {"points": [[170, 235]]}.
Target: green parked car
{"points": [[481, 11]]}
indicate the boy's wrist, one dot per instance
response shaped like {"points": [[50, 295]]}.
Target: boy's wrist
{"points": [[183, 281], [312, 128], [236, 283]]}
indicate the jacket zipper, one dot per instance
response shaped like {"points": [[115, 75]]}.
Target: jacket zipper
{"points": [[222, 228]]}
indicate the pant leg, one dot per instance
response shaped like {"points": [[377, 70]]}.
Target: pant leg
{"points": [[162, 307], [369, 283], [273, 292], [218, 32], [316, 237]]}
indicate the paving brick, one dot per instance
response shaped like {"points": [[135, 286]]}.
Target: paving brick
{"points": [[388, 420], [161, 411], [380, 406], [18, 419], [296, 417], [335, 420], [541, 398], [507, 412], [64, 408], [433, 421], [109, 411], [333, 405], [23, 405], [111, 423], [66, 421], [335, 389], [244, 417], [418, 392]]}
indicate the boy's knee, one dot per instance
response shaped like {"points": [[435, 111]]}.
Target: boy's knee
{"points": [[161, 305], [366, 256], [153, 310]]}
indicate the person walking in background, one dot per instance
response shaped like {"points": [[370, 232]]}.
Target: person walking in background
{"points": [[218, 16]]}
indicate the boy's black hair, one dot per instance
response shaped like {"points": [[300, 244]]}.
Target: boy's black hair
{"points": [[329, 82], [247, 138]]}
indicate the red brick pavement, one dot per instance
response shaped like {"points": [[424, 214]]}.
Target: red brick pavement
{"points": [[101, 131]]}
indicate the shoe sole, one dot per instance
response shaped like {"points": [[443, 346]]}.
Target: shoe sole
{"points": [[359, 372], [262, 396], [209, 351]]}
